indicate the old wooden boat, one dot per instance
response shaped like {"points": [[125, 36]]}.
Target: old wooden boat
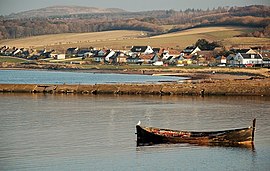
{"points": [[232, 137]]}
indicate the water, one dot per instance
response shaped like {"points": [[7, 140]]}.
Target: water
{"points": [[88, 132], [58, 77]]}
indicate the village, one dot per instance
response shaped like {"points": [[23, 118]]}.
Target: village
{"points": [[147, 55]]}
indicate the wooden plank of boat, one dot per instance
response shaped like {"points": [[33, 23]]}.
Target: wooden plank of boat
{"points": [[233, 137]]}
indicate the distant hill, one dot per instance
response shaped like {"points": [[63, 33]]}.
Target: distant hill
{"points": [[62, 11], [75, 19]]}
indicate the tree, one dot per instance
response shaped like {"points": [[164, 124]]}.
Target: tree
{"points": [[202, 44], [205, 45]]}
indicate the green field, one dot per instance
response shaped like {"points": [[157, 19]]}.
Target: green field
{"points": [[123, 39]]}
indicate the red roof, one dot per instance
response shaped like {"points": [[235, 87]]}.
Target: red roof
{"points": [[146, 56]]}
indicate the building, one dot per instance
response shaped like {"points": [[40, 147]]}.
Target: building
{"points": [[103, 55], [134, 60], [190, 51], [58, 56], [246, 59], [243, 51], [72, 51], [82, 52], [141, 50]]}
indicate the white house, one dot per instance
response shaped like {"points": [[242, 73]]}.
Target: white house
{"points": [[110, 54], [190, 51], [165, 55], [243, 58], [158, 63], [103, 55], [17, 51], [58, 56], [221, 60]]}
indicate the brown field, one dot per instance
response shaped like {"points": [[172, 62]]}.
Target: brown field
{"points": [[247, 41], [122, 39], [202, 30], [71, 38]]}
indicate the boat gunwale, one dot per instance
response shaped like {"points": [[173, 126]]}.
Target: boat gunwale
{"points": [[229, 137], [207, 133]]}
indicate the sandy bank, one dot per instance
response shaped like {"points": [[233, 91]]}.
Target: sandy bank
{"points": [[248, 87], [207, 81]]}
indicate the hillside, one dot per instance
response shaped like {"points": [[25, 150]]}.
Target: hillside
{"points": [[71, 39], [61, 11], [122, 39]]}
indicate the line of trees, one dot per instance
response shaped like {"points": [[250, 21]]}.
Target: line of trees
{"points": [[33, 27]]}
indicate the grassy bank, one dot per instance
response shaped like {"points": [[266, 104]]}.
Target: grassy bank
{"points": [[11, 59]]}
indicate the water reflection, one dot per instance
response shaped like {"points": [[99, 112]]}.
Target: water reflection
{"points": [[190, 157], [94, 132], [166, 147]]}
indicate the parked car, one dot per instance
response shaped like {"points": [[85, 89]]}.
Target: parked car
{"points": [[221, 65], [158, 63]]}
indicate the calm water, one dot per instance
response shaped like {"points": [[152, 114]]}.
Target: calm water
{"points": [[58, 77], [87, 132]]}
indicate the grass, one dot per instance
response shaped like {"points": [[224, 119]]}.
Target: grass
{"points": [[71, 38], [11, 59], [63, 60], [168, 27], [122, 39], [201, 30], [138, 67], [247, 41]]}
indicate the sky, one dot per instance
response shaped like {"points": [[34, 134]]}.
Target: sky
{"points": [[14, 6]]}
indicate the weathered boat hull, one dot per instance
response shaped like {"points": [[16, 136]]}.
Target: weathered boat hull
{"points": [[234, 137]]}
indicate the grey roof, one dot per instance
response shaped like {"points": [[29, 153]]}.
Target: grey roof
{"points": [[154, 58], [169, 58], [138, 48], [189, 49], [251, 56], [240, 50], [156, 50]]}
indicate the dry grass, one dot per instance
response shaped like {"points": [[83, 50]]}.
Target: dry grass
{"points": [[122, 39], [202, 30], [247, 41], [71, 38]]}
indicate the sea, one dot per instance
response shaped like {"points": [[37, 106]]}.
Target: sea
{"points": [[97, 132]]}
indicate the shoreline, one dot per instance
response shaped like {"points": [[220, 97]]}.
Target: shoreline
{"points": [[251, 87], [200, 82]]}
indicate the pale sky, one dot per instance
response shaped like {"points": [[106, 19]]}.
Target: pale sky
{"points": [[14, 6]]}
